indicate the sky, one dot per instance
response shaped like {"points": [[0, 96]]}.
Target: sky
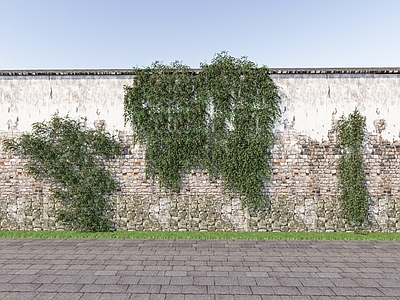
{"points": [[122, 34]]}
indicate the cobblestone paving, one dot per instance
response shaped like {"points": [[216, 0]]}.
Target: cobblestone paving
{"points": [[198, 269]]}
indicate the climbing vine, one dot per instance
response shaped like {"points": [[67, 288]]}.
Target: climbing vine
{"points": [[354, 195], [221, 120], [245, 107], [63, 153], [169, 119]]}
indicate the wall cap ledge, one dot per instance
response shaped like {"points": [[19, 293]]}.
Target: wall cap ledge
{"points": [[69, 72]]}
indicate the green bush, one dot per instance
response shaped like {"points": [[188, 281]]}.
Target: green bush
{"points": [[63, 153]]}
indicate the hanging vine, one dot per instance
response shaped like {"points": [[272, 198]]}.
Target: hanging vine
{"points": [[221, 120], [354, 195], [245, 106], [168, 118]]}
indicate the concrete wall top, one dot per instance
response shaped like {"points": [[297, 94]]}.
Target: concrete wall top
{"points": [[386, 70]]}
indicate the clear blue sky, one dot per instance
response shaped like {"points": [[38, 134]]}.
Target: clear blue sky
{"points": [[69, 34]]}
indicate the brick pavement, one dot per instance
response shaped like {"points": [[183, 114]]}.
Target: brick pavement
{"points": [[198, 269]]}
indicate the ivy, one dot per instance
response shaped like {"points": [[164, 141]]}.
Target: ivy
{"points": [[354, 195], [245, 105], [63, 153], [169, 119], [221, 120]]}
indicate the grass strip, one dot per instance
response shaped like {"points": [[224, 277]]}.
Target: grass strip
{"points": [[202, 235]]}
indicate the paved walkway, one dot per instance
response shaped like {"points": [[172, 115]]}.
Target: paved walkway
{"points": [[196, 269]]}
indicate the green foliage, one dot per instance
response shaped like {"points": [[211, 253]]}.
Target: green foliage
{"points": [[221, 120], [245, 106], [354, 195], [201, 235], [169, 119], [63, 153]]}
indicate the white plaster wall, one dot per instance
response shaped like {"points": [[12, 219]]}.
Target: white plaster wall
{"points": [[28, 99], [310, 101]]}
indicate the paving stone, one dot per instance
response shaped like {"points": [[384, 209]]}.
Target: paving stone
{"points": [[23, 278], [20, 287], [45, 279], [198, 273], [226, 281], [315, 291], [267, 281], [239, 290], [20, 295], [146, 273], [142, 296], [27, 272], [194, 289], [203, 280], [174, 297], [156, 297], [262, 290], [45, 296], [330, 298], [344, 291], [114, 288], [199, 297], [114, 296], [286, 290], [6, 278], [247, 297], [224, 297], [394, 292], [144, 289], [87, 279], [269, 297], [154, 280], [140, 269], [90, 296], [107, 279], [67, 279], [125, 279], [289, 281], [91, 288], [171, 289], [214, 290], [317, 282], [67, 296], [394, 283], [106, 272], [369, 291]]}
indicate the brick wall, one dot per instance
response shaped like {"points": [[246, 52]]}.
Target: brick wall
{"points": [[302, 191]]}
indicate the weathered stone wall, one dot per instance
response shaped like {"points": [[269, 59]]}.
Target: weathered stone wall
{"points": [[302, 191]]}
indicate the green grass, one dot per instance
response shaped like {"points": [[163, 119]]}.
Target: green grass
{"points": [[202, 235]]}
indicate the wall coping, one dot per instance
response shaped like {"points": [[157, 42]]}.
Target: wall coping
{"points": [[68, 72]]}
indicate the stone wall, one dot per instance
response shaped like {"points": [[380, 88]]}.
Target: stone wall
{"points": [[302, 191]]}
